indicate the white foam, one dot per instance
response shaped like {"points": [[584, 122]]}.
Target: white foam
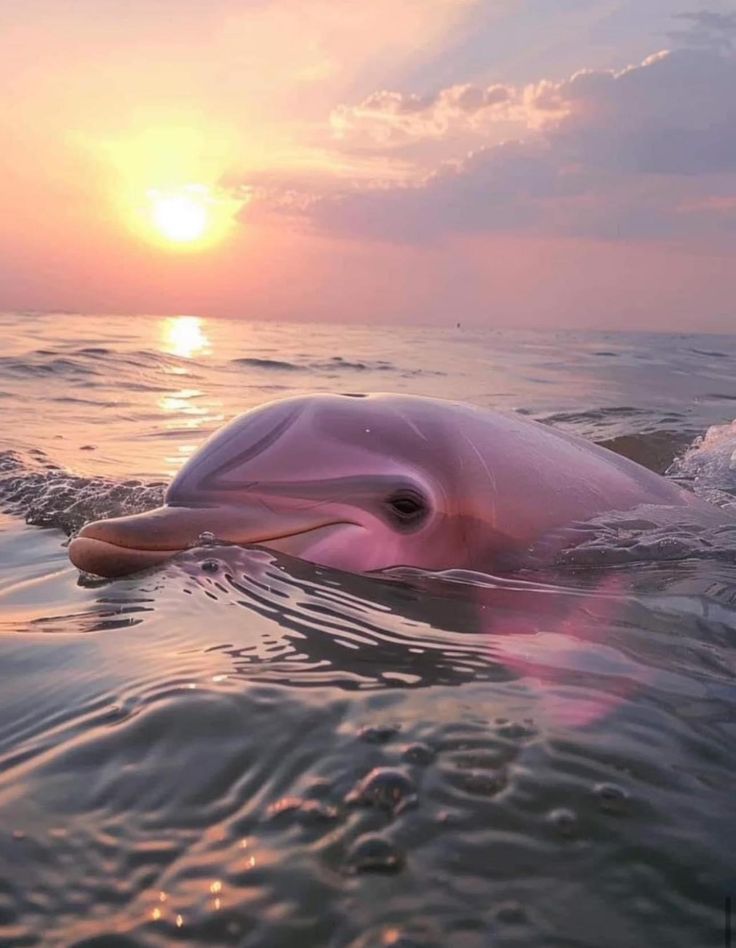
{"points": [[708, 467]]}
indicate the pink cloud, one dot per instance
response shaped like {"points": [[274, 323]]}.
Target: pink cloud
{"points": [[385, 118], [649, 151]]}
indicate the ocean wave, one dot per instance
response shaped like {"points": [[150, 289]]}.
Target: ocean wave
{"points": [[709, 466], [653, 449], [66, 359], [253, 363], [10, 365], [33, 487], [334, 364], [594, 414]]}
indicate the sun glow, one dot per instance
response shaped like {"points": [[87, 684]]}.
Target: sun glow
{"points": [[189, 217], [169, 187], [179, 217]]}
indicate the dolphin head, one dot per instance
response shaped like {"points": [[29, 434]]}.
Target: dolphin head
{"points": [[358, 483]]}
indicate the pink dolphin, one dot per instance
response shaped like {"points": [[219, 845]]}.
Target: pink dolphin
{"points": [[364, 483]]}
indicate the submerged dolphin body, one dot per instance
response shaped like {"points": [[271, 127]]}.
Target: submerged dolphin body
{"points": [[370, 482]]}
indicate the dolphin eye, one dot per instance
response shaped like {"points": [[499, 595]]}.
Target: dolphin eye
{"points": [[407, 506]]}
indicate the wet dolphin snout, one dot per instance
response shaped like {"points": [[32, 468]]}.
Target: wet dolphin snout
{"points": [[125, 545]]}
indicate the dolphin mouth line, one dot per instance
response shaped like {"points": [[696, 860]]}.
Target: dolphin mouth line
{"points": [[218, 541], [111, 557]]}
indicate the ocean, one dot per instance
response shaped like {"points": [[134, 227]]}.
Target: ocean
{"points": [[241, 748]]}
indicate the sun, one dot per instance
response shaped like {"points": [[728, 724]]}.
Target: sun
{"points": [[168, 187], [189, 217], [183, 215], [182, 218]]}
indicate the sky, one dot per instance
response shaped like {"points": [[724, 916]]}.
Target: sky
{"points": [[524, 163]]}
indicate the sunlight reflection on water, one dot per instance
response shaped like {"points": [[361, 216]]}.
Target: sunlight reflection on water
{"points": [[184, 336]]}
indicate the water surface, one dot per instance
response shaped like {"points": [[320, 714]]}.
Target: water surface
{"points": [[243, 749]]}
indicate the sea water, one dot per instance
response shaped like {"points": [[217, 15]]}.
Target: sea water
{"points": [[240, 748]]}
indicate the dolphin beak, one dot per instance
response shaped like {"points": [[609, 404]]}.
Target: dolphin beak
{"points": [[124, 545]]}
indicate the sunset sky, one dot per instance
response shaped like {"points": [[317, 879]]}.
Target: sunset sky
{"points": [[551, 163]]}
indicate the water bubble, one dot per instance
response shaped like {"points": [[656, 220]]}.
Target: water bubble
{"points": [[374, 853], [394, 937], [418, 753], [318, 789], [313, 812], [114, 713], [282, 806], [210, 566], [386, 787], [511, 913], [307, 812], [485, 783], [611, 797], [206, 538], [378, 733], [397, 939], [516, 731], [565, 821]]}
